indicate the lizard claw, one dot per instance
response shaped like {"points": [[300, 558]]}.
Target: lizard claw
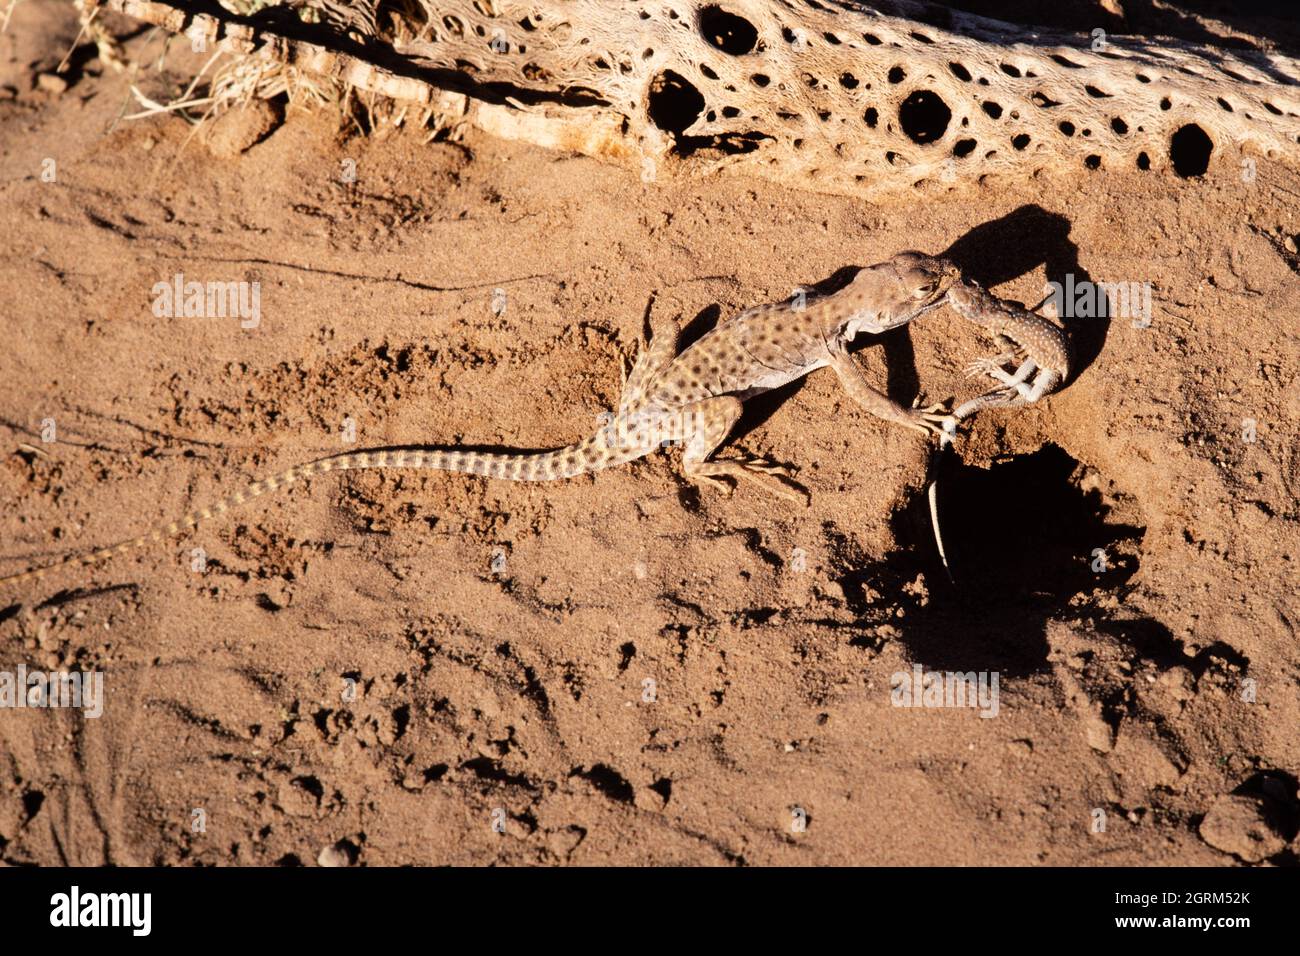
{"points": [[987, 366], [933, 423]]}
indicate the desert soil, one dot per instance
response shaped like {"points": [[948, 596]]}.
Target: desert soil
{"points": [[622, 668]]}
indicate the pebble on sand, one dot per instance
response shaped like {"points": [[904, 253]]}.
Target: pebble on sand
{"points": [[51, 82], [1241, 825], [333, 856]]}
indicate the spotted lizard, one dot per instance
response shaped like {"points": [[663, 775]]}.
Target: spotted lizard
{"points": [[1021, 334], [693, 397]]}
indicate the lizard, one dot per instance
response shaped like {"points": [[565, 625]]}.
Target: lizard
{"points": [[1021, 333], [693, 396]]}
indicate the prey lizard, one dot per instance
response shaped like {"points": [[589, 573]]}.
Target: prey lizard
{"points": [[1022, 334], [693, 397]]}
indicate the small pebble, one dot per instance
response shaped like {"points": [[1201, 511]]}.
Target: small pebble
{"points": [[333, 856], [51, 83]]}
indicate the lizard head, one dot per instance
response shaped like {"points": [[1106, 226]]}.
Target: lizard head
{"points": [[898, 290]]}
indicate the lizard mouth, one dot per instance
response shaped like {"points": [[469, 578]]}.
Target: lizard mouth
{"points": [[918, 312]]}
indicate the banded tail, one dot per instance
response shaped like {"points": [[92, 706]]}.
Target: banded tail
{"points": [[590, 454]]}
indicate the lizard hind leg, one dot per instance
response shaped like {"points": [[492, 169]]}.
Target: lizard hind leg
{"points": [[705, 425], [653, 356]]}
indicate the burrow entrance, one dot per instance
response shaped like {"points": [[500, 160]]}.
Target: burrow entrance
{"points": [[1025, 526], [1026, 538]]}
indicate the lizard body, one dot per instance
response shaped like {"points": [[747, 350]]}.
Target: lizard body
{"points": [[1044, 347], [694, 397]]}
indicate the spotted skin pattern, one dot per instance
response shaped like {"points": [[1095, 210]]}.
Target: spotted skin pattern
{"points": [[1041, 345], [693, 398]]}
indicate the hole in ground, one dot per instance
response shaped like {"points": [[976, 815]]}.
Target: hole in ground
{"points": [[1020, 536], [1024, 526]]}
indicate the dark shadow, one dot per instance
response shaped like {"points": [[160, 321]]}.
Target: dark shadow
{"points": [[1022, 542], [902, 382], [1004, 249], [705, 321], [1278, 22], [1281, 788], [1143, 23]]}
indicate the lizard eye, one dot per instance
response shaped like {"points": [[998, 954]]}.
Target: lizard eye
{"points": [[925, 291]]}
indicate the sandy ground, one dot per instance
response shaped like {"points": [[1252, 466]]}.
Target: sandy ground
{"points": [[623, 668]]}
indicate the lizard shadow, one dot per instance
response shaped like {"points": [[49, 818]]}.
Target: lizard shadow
{"points": [[1004, 249]]}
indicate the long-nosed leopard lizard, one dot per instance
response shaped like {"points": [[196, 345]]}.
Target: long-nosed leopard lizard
{"points": [[693, 397]]}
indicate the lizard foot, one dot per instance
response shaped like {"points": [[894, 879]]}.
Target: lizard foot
{"points": [[770, 467], [934, 419], [773, 478], [989, 365]]}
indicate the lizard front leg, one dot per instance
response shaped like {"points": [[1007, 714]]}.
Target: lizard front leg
{"points": [[925, 420]]}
